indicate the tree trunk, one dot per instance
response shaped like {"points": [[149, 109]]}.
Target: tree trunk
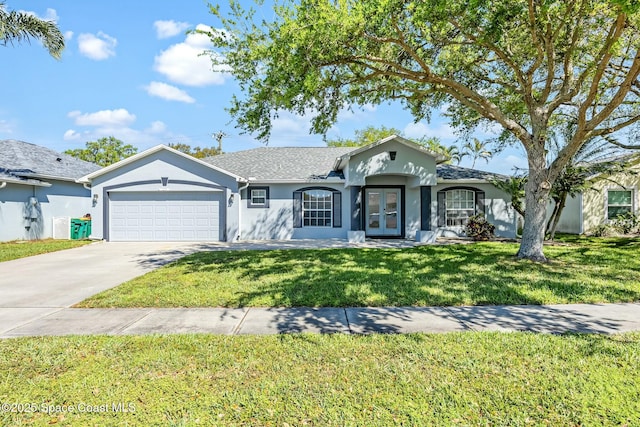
{"points": [[550, 221], [536, 198], [556, 219]]}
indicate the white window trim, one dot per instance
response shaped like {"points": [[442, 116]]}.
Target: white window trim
{"points": [[263, 196], [330, 209], [446, 208], [606, 200]]}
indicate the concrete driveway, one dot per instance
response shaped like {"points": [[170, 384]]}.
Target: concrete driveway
{"points": [[36, 286]]}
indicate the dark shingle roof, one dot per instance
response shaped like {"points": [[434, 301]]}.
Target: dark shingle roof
{"points": [[310, 163], [281, 163], [452, 172], [22, 159]]}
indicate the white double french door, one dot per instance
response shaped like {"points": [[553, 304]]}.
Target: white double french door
{"points": [[382, 210]]}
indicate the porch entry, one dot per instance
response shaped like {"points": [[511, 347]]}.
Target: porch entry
{"points": [[383, 212]]}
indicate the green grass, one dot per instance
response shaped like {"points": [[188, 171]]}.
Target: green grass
{"points": [[326, 380], [582, 271], [21, 249]]}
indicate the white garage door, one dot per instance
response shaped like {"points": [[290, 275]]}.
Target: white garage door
{"points": [[160, 216]]}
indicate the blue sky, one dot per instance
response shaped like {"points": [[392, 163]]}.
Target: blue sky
{"points": [[129, 70]]}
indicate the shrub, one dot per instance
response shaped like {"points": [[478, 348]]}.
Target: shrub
{"points": [[602, 230], [627, 223], [478, 228]]}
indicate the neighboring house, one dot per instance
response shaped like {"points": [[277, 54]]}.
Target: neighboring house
{"points": [[615, 195], [37, 184], [392, 188]]}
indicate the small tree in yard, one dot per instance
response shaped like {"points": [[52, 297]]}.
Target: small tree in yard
{"points": [[523, 65], [104, 151], [363, 137], [197, 152]]}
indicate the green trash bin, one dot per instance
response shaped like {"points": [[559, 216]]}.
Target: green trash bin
{"points": [[80, 228], [75, 228]]}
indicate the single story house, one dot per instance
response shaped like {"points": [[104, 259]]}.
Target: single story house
{"points": [[393, 188], [615, 195], [36, 185]]}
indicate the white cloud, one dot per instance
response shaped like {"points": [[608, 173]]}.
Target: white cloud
{"points": [[6, 127], [50, 15], [157, 127], [71, 135], [356, 113], [166, 29], [118, 123], [184, 63], [97, 46], [119, 117], [168, 92], [68, 35], [418, 130], [293, 130]]}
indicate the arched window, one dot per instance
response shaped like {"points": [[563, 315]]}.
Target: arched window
{"points": [[457, 204], [461, 204], [316, 208]]}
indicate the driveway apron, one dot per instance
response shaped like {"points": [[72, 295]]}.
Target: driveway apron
{"points": [[36, 286]]}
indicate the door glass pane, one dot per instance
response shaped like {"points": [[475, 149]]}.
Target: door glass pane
{"points": [[373, 202], [391, 210]]}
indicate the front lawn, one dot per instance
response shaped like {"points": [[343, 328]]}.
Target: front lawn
{"points": [[583, 271], [21, 249], [322, 380]]}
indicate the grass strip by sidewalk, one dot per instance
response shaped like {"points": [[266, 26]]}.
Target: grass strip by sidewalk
{"points": [[22, 249], [324, 380], [584, 271]]}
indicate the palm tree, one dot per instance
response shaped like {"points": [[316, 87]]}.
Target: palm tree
{"points": [[477, 150], [452, 152], [17, 27]]}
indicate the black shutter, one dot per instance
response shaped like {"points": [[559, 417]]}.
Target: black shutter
{"points": [[442, 208], [337, 209], [425, 208], [297, 209], [480, 206], [356, 221]]}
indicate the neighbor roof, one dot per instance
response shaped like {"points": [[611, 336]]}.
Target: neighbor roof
{"points": [[23, 160], [13, 179], [282, 163]]}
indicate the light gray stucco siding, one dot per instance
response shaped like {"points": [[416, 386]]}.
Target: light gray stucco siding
{"points": [[276, 221], [61, 199], [145, 175], [377, 161], [498, 210]]}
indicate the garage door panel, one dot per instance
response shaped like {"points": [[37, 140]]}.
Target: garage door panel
{"points": [[146, 216]]}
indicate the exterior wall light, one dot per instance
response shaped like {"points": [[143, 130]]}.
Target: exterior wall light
{"points": [[392, 155]]}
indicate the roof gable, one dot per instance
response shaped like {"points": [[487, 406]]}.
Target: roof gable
{"points": [[341, 162], [150, 151]]}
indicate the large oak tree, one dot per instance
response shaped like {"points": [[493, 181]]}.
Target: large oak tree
{"points": [[528, 66]]}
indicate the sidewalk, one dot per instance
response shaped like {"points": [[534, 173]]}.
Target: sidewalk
{"points": [[586, 318]]}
